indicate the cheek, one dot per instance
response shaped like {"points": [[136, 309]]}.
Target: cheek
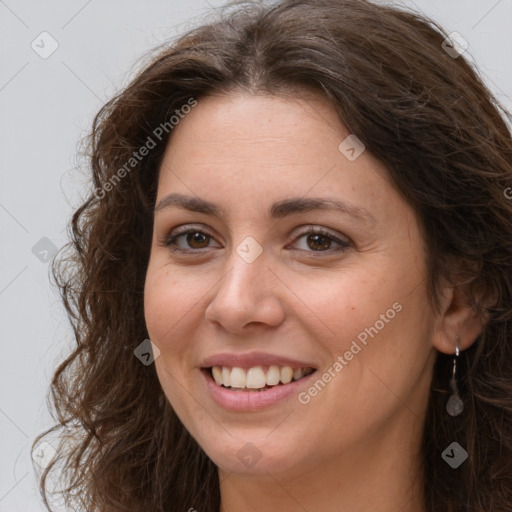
{"points": [[349, 301], [168, 302], [377, 314], [168, 299]]}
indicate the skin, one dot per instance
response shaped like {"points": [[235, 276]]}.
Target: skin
{"points": [[356, 445]]}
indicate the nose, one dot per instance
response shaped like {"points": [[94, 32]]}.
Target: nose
{"points": [[246, 296]]}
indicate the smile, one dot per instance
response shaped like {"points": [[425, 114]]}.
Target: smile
{"points": [[240, 389], [257, 377]]}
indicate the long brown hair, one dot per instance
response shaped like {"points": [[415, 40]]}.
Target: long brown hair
{"points": [[448, 149]]}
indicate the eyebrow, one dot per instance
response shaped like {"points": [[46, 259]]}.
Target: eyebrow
{"points": [[278, 210]]}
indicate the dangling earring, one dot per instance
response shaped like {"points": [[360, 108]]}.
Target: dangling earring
{"points": [[454, 406]]}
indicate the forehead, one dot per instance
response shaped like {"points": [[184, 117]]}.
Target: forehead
{"points": [[248, 149], [236, 124]]}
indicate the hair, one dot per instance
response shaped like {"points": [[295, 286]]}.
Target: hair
{"points": [[447, 147]]}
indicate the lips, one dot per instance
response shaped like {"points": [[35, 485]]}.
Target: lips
{"points": [[254, 359], [255, 380], [251, 400], [256, 370], [257, 377]]}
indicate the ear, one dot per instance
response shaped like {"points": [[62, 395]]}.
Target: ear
{"points": [[456, 318]]}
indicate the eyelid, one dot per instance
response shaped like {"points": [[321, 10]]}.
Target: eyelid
{"points": [[184, 230], [316, 229], [342, 241]]}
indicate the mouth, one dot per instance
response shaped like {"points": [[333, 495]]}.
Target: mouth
{"points": [[256, 379], [251, 382]]}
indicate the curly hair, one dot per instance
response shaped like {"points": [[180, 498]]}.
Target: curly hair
{"points": [[447, 145]]}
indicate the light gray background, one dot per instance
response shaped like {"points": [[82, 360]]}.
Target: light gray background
{"points": [[46, 106]]}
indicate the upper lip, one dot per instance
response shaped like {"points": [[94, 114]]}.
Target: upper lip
{"points": [[252, 359]]}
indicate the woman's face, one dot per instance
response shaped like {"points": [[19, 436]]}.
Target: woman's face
{"points": [[247, 289]]}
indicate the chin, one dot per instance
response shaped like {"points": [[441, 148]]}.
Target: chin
{"points": [[256, 454]]}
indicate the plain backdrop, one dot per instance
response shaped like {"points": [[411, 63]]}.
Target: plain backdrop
{"points": [[47, 104]]}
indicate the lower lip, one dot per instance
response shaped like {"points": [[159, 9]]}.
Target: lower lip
{"points": [[251, 400]]}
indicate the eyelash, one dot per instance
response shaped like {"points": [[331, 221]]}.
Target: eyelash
{"points": [[170, 240]]}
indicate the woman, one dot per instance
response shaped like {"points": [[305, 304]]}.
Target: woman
{"points": [[291, 284]]}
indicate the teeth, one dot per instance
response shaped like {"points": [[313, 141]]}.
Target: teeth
{"points": [[226, 376], [298, 373], [238, 377], [286, 374], [273, 375], [217, 374], [256, 377]]}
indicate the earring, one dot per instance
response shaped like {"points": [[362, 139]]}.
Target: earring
{"points": [[454, 406]]}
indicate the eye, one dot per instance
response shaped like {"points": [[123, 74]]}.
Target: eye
{"points": [[193, 238], [321, 240], [189, 239]]}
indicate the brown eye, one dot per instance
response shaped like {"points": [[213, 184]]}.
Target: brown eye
{"points": [[188, 240], [197, 240], [318, 242]]}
